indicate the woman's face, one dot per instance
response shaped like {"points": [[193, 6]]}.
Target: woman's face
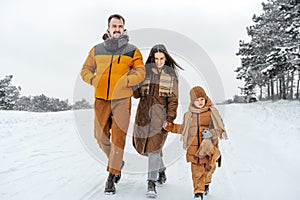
{"points": [[159, 59], [200, 102]]}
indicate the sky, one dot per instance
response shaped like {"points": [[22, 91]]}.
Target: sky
{"points": [[45, 43]]}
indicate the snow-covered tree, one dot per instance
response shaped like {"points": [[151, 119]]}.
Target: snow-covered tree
{"points": [[24, 103], [42, 103], [58, 105], [271, 58], [10, 100], [9, 94], [82, 104]]}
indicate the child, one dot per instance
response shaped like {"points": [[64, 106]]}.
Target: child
{"points": [[201, 128]]}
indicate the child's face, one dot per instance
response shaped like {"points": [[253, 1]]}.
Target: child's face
{"points": [[200, 102]]}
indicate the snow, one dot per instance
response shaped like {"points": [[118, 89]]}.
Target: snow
{"points": [[269, 68], [288, 29], [43, 157]]}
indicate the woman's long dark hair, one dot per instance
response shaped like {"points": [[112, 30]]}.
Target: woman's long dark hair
{"points": [[169, 60]]}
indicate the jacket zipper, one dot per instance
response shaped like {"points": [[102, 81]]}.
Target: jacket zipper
{"points": [[150, 114], [198, 134], [109, 74]]}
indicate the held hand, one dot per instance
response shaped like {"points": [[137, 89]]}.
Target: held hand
{"points": [[168, 126]]}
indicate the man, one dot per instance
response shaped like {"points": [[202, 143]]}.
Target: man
{"points": [[113, 67]]}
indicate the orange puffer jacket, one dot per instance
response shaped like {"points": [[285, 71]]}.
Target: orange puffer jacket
{"points": [[112, 67]]}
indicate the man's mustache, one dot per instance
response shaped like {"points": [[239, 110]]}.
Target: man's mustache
{"points": [[116, 32]]}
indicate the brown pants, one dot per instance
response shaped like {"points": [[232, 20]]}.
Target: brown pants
{"points": [[110, 129], [209, 174], [214, 157], [198, 175]]}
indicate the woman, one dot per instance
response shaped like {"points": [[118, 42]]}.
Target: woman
{"points": [[158, 104]]}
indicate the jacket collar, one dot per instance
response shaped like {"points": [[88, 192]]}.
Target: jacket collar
{"points": [[113, 44]]}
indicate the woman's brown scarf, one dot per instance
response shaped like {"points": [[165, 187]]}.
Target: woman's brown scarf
{"points": [[166, 82], [218, 124]]}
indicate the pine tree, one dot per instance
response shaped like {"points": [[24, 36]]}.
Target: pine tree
{"points": [[9, 94], [42, 103], [271, 58], [24, 103], [82, 104]]}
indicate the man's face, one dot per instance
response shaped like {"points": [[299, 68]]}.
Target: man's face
{"points": [[115, 28]]}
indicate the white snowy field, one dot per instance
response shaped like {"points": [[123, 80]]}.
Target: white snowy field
{"points": [[43, 157]]}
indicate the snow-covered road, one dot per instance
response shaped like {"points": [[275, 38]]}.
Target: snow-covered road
{"points": [[42, 157]]}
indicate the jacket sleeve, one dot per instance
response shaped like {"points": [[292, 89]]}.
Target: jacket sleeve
{"points": [[176, 128], [89, 68], [139, 68], [172, 103]]}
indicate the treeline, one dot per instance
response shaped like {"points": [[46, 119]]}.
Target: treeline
{"points": [[10, 99], [270, 61]]}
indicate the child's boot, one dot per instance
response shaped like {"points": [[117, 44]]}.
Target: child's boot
{"points": [[198, 196], [206, 190]]}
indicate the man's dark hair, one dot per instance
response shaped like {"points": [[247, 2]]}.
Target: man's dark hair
{"points": [[117, 16]]}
